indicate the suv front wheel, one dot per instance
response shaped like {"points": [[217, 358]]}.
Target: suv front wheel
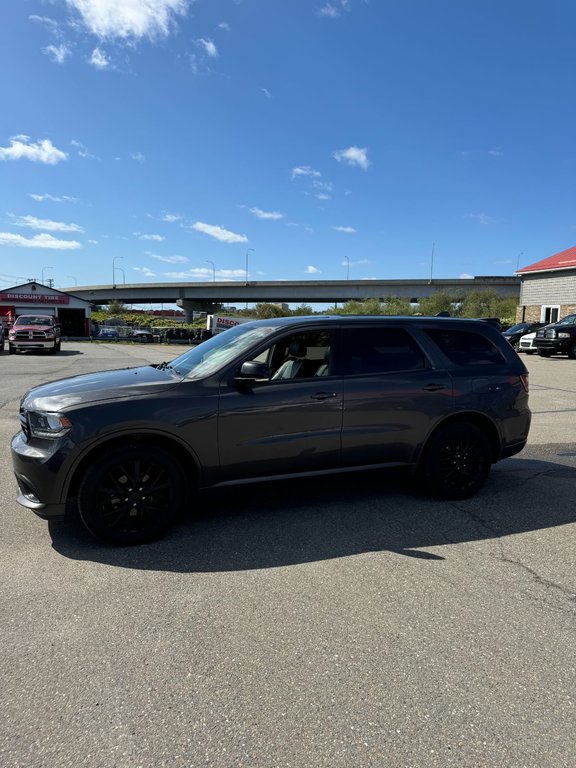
{"points": [[456, 462], [131, 495]]}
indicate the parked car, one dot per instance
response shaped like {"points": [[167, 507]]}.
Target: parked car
{"points": [[142, 335], [2, 336], [35, 332], [108, 334], [526, 344], [444, 398], [515, 332], [557, 338]]}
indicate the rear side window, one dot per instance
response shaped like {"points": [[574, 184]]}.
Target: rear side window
{"points": [[466, 347], [380, 350]]}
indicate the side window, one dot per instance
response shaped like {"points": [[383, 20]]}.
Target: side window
{"points": [[300, 355], [380, 350], [466, 347]]}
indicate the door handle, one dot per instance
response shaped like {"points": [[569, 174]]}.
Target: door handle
{"points": [[323, 395], [433, 387]]}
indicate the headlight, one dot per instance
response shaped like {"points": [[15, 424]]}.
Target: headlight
{"points": [[563, 335], [48, 426]]}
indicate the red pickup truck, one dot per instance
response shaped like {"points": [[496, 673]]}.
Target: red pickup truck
{"points": [[34, 332]]}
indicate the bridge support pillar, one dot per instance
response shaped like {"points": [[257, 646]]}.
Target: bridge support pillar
{"points": [[190, 306]]}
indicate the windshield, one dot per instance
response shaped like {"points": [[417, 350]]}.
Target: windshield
{"points": [[33, 320], [518, 328], [215, 353], [568, 320]]}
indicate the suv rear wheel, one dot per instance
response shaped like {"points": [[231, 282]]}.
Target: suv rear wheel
{"points": [[457, 461], [131, 495]]}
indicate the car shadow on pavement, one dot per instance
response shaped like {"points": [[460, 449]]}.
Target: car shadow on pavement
{"points": [[308, 520]]}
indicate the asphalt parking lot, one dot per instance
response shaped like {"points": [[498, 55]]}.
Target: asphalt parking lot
{"points": [[333, 622]]}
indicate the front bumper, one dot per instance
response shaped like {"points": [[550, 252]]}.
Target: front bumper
{"points": [[37, 468], [558, 346], [20, 345]]}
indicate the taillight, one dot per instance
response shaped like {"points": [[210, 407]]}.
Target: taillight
{"points": [[524, 381]]}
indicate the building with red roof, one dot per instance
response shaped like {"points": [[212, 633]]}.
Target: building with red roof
{"points": [[548, 289]]}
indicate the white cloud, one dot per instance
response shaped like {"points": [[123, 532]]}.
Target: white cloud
{"points": [[224, 25], [170, 217], [225, 274], [58, 53], [38, 241], [99, 59], [465, 276], [42, 151], [305, 170], [323, 196], [156, 238], [333, 9], [266, 93], [51, 24], [168, 259], [496, 152], [310, 270], [208, 47], [52, 198], [482, 218], [52, 226], [355, 156], [224, 235], [260, 214], [82, 151], [146, 271], [130, 19], [138, 157], [347, 230]]}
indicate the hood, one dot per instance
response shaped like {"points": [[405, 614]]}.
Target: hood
{"points": [[99, 387]]}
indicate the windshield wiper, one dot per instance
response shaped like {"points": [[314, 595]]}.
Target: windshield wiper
{"points": [[167, 366]]}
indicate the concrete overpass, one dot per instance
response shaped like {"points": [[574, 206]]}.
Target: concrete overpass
{"points": [[206, 296]]}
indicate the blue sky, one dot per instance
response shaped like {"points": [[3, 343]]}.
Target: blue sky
{"points": [[168, 137]]}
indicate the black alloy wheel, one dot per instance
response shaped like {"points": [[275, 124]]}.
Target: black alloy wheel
{"points": [[131, 495], [572, 351], [457, 462], [544, 352]]}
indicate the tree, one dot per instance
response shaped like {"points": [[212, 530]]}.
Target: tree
{"points": [[116, 307], [266, 311], [304, 310], [441, 301]]}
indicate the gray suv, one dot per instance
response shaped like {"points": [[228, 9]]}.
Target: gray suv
{"points": [[443, 397]]}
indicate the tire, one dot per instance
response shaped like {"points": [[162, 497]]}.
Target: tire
{"points": [[516, 346], [456, 462], [131, 495], [58, 346], [544, 352], [572, 351], [11, 349], [530, 352]]}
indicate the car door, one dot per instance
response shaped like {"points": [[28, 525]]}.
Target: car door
{"points": [[392, 395], [283, 425]]}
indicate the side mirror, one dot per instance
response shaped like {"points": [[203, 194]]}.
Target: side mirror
{"points": [[252, 371]]}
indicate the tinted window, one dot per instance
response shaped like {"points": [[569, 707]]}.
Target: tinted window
{"points": [[466, 347], [380, 350], [300, 355]]}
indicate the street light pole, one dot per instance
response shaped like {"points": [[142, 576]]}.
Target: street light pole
{"points": [[114, 270], [213, 269], [247, 252], [518, 260], [347, 267], [73, 278]]}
